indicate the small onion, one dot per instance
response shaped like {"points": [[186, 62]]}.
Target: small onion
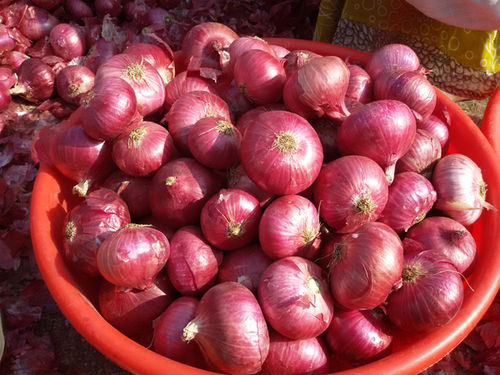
{"points": [[36, 81], [73, 81], [327, 130], [392, 57], [360, 84], [183, 83], [67, 41], [422, 156], [238, 179], [37, 23], [438, 128], [297, 58], [238, 47], [78, 9]]}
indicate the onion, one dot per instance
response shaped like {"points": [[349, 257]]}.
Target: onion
{"points": [[238, 179], [193, 265], [143, 148], [13, 59], [318, 88], [136, 11], [88, 224], [7, 78], [366, 266], [230, 329], [215, 143], [244, 266], [35, 81], [236, 100], [141, 76], [411, 88], [108, 108], [132, 256], [78, 9], [158, 18], [392, 57], [448, 237], [411, 196], [158, 224], [297, 58], [438, 128], [422, 156], [330, 242], [391, 127], [111, 7], [295, 298], [167, 339], [430, 296], [250, 116], [360, 84], [100, 52], [183, 83], [7, 42], [230, 219], [359, 336], [190, 108], [179, 190], [48, 4], [350, 191], [461, 190], [287, 356], [280, 51], [73, 81], [67, 41], [162, 60], [290, 226], [240, 46], [133, 190], [37, 23], [282, 153], [4, 99], [327, 130]]}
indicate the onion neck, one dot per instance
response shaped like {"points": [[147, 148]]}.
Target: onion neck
{"points": [[313, 285], [225, 127], [82, 188], [135, 136], [70, 231], [482, 196], [285, 142], [190, 331], [410, 274], [234, 229], [169, 181]]}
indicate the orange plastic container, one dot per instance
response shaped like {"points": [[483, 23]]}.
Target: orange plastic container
{"points": [[76, 295]]}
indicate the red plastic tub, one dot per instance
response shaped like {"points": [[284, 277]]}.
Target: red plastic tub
{"points": [[490, 124], [76, 296]]}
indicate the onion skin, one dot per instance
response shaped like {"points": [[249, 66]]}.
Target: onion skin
{"points": [[295, 298], [230, 329], [351, 191], [366, 266], [430, 296], [281, 153], [297, 58], [360, 84], [67, 41], [280, 51], [392, 57], [73, 82]]}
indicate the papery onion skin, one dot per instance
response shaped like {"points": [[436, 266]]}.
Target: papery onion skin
{"points": [[230, 329], [438, 128], [73, 81], [132, 256], [67, 41], [230, 219], [143, 148], [290, 226], [4, 99], [360, 84], [7, 78], [366, 266], [88, 224], [351, 191], [183, 83], [160, 59], [391, 127], [295, 298], [297, 58], [238, 179], [431, 294], [100, 52], [448, 237], [13, 59], [392, 57], [411, 196], [282, 154], [37, 23], [192, 266], [287, 356], [461, 190], [36, 81]]}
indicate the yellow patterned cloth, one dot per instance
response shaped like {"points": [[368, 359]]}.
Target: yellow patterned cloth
{"points": [[463, 62]]}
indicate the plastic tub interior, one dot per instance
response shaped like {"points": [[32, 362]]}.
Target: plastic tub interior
{"points": [[76, 295]]}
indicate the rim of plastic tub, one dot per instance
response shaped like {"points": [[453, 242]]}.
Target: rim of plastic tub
{"points": [[52, 196]]}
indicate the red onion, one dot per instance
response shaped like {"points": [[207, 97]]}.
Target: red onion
{"points": [[411, 196], [230, 329], [143, 148], [392, 57], [13, 59], [215, 143], [236, 100], [48, 4], [350, 191], [360, 84], [422, 156], [461, 190], [37, 23], [133, 311], [327, 130], [238, 179], [287, 356], [244, 266], [192, 266], [183, 83], [250, 116], [111, 7], [297, 58], [329, 243], [133, 190], [141, 76], [280, 51], [366, 266], [430, 296], [7, 78], [240, 46], [290, 226], [136, 11], [162, 60], [132, 256], [282, 154], [391, 127], [158, 18], [318, 88], [67, 41], [448, 237], [88, 224], [7, 42], [190, 108], [260, 76], [438, 128], [108, 108], [179, 190], [230, 219], [78, 9], [167, 339], [73, 81], [295, 298], [411, 88], [359, 336], [160, 225], [100, 52], [35, 81], [4, 99]]}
